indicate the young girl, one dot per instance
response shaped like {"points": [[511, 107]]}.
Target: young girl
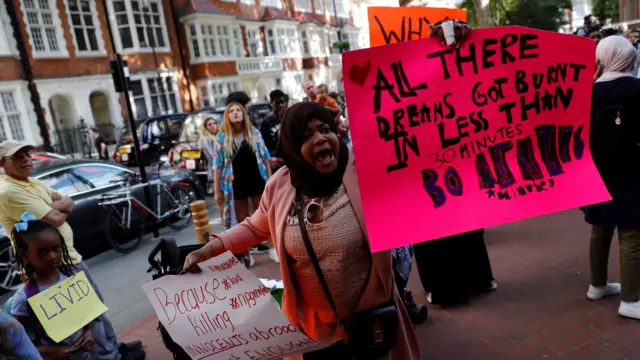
{"points": [[43, 257]]}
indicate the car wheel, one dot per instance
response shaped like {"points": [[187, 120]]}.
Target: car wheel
{"points": [[9, 274]]}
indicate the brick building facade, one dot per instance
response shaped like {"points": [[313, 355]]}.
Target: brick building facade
{"points": [[182, 55]]}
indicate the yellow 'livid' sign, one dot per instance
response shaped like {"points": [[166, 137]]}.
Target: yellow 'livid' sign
{"points": [[67, 306]]}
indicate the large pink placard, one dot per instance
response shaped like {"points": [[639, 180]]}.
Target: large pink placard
{"points": [[451, 140]]}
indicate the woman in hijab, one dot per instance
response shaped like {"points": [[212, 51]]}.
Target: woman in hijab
{"points": [[614, 143], [318, 184], [311, 209]]}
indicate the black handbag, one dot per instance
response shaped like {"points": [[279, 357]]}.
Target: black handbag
{"points": [[370, 333]]}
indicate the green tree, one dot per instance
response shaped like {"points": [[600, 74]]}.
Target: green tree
{"points": [[538, 14], [606, 10]]}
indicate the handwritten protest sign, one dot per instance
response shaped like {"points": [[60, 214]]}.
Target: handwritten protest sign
{"points": [[67, 306], [450, 140], [390, 25], [225, 313]]}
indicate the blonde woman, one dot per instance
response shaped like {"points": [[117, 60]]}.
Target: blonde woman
{"points": [[208, 144], [241, 165]]}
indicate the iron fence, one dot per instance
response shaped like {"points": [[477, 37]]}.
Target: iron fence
{"points": [[73, 141]]}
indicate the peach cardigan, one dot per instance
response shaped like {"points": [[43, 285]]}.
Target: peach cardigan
{"points": [[269, 219]]}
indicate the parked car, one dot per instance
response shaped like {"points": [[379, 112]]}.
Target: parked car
{"points": [[85, 181], [47, 156], [187, 154], [157, 136]]}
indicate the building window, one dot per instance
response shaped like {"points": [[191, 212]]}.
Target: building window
{"points": [[352, 38], [314, 42], [154, 95], [331, 9], [254, 42], [237, 41], [140, 27], [271, 3], [220, 90], [303, 5], [83, 20], [204, 97], [283, 41], [214, 41], [333, 38], [44, 26], [248, 2], [318, 6], [7, 44], [341, 7], [10, 117]]}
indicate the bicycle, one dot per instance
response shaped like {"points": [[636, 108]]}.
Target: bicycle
{"points": [[127, 215]]}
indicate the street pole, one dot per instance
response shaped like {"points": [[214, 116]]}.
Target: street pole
{"points": [[120, 74]]}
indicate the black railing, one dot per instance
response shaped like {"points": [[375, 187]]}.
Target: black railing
{"points": [[73, 141]]}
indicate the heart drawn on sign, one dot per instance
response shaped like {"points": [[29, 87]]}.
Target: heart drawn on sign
{"points": [[358, 73]]}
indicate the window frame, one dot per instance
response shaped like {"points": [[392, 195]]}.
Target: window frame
{"points": [[144, 79], [257, 39], [316, 38], [131, 24], [200, 38], [319, 10], [56, 24], [341, 8], [101, 51], [290, 39], [5, 125], [7, 43], [304, 6], [215, 97], [277, 4]]}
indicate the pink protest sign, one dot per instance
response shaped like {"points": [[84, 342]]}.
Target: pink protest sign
{"points": [[451, 140]]}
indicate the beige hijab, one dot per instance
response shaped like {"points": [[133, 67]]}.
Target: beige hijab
{"points": [[617, 56]]}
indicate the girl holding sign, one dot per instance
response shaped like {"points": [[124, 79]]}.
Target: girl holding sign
{"points": [[43, 257]]}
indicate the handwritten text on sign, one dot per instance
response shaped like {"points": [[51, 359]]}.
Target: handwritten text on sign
{"points": [[390, 25], [450, 140], [225, 313], [67, 306]]}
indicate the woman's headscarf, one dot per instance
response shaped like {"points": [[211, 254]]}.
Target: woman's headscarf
{"points": [[304, 176], [617, 56]]}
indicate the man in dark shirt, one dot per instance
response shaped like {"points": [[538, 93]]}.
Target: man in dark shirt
{"points": [[270, 125], [100, 144]]}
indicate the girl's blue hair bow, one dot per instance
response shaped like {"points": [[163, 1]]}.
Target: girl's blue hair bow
{"points": [[23, 225]]}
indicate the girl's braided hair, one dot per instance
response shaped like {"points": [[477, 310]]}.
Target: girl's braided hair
{"points": [[21, 241]]}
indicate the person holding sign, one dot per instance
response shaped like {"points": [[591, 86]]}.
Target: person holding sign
{"points": [[615, 133], [43, 257]]}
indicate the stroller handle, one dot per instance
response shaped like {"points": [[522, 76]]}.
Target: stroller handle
{"points": [[152, 256]]}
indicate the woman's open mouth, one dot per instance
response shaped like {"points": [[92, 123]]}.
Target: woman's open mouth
{"points": [[324, 158]]}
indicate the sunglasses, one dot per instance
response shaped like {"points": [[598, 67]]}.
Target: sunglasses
{"points": [[20, 155]]}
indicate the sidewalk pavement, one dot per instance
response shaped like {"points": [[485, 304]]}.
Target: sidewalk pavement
{"points": [[539, 311]]}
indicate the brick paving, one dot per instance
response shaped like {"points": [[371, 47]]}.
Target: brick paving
{"points": [[538, 312]]}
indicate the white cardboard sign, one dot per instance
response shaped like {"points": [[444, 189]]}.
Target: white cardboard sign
{"points": [[225, 313]]}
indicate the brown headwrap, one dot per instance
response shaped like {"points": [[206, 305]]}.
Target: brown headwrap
{"points": [[304, 176]]}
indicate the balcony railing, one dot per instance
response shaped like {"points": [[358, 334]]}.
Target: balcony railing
{"points": [[258, 65], [335, 60]]}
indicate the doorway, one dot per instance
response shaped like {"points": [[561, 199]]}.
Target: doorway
{"points": [[102, 116]]}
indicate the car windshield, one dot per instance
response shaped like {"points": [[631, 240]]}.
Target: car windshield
{"points": [[190, 133]]}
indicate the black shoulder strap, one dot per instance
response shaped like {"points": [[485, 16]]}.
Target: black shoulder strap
{"points": [[312, 253]]}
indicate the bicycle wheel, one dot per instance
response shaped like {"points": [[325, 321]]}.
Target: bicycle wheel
{"points": [[182, 197], [123, 237]]}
